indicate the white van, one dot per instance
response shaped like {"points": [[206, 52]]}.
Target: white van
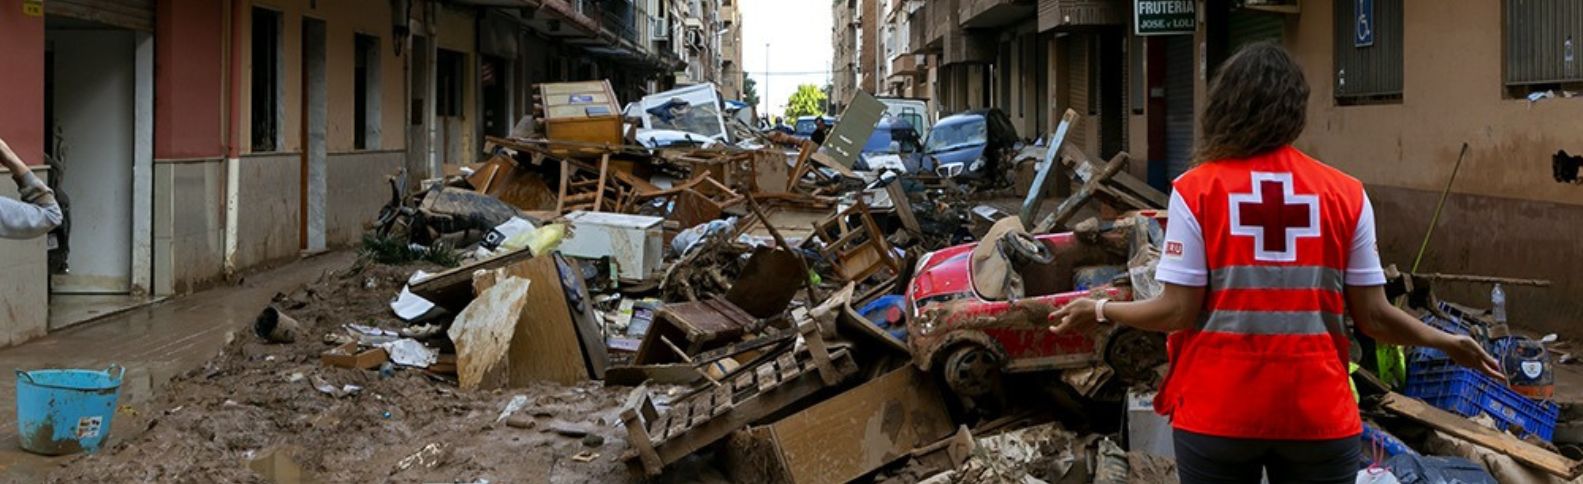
{"points": [[914, 111]]}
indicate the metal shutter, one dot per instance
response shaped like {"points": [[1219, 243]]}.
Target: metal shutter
{"points": [[128, 14], [1543, 41], [1178, 104], [1077, 83], [1375, 70], [1249, 26]]}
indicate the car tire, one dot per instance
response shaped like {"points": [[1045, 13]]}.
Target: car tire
{"points": [[971, 370]]}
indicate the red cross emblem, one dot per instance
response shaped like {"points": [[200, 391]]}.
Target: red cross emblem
{"points": [[1274, 216]]}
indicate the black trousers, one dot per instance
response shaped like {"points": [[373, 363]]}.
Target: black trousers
{"points": [[1208, 459]]}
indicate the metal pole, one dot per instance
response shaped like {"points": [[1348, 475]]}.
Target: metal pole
{"points": [[768, 104]]}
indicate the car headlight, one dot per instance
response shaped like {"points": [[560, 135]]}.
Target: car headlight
{"points": [[977, 164]]}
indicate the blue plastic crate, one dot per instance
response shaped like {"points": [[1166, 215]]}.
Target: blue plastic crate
{"points": [[1457, 389], [1450, 326]]}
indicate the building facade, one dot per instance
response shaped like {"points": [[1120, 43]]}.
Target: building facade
{"points": [[199, 140], [1396, 91], [844, 67]]}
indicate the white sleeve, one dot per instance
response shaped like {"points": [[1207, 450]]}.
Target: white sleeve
{"points": [[1182, 257], [1363, 260]]}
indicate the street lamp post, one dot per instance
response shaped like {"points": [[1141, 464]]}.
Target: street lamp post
{"points": [[767, 103]]}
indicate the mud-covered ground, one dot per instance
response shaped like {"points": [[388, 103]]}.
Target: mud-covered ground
{"points": [[255, 400], [254, 409]]}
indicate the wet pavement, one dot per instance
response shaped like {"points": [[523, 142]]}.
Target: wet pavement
{"points": [[153, 343]]}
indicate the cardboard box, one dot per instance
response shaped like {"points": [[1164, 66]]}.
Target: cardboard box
{"points": [[347, 356]]}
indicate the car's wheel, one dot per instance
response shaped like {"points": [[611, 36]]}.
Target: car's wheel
{"points": [[1134, 354], [971, 370], [1023, 248]]}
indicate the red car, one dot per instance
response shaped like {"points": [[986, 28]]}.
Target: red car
{"points": [[979, 310]]}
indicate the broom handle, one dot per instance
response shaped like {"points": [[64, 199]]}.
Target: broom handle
{"points": [[1435, 220]]}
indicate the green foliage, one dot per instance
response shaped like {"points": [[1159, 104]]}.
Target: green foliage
{"points": [[809, 100], [390, 250], [750, 90]]}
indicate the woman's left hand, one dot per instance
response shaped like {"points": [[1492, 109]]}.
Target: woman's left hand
{"points": [[1076, 317]]}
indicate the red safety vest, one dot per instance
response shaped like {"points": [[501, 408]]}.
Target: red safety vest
{"points": [[1268, 357]]}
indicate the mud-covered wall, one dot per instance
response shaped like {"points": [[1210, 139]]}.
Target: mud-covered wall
{"points": [[269, 202], [189, 225], [357, 190], [1506, 217]]}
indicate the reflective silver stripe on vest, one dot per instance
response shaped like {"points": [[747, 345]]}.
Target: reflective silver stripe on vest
{"points": [[1276, 277], [1272, 322]]}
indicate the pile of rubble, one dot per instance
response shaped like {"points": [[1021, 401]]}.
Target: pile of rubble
{"points": [[666, 290]]}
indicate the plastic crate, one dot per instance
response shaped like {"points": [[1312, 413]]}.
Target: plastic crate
{"points": [[1450, 326], [1457, 389]]}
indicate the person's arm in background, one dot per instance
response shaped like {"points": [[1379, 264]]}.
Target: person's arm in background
{"points": [[1184, 272], [37, 213], [1374, 314]]}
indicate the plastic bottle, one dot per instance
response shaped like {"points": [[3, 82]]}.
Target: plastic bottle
{"points": [[1498, 302]]}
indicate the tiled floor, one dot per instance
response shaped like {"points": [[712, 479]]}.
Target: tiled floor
{"points": [[153, 343]]}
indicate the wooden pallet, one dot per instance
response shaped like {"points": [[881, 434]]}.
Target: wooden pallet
{"points": [[712, 411]]}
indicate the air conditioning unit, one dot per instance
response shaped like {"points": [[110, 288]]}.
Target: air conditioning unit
{"points": [[659, 29]]}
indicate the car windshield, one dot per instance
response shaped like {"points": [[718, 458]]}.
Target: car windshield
{"points": [[950, 136], [912, 119], [804, 127]]}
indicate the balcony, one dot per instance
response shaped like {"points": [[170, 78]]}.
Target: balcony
{"points": [[904, 65], [976, 14]]}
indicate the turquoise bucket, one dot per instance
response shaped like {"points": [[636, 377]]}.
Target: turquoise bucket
{"points": [[66, 411]]}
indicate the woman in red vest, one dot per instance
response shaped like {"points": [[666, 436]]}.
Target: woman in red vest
{"points": [[1266, 252]]}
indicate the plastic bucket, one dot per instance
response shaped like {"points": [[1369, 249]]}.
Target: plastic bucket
{"points": [[66, 411]]}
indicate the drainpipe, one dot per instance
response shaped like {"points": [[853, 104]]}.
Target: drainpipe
{"points": [[233, 148]]}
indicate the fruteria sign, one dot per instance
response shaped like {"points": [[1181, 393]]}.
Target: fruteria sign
{"points": [[1164, 17]]}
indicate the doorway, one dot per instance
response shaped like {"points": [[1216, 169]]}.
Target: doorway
{"points": [[99, 135], [314, 132], [418, 165]]}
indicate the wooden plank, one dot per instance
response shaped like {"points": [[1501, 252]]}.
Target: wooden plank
{"points": [[787, 364], [766, 376], [453, 289], [1030, 205], [639, 439], [668, 374], [545, 345], [599, 189], [1462, 428], [862, 429], [723, 401], [747, 412]]}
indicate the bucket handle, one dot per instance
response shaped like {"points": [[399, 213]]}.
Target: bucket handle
{"points": [[116, 370], [23, 374]]}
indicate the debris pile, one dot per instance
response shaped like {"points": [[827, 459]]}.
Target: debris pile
{"points": [[664, 292]]}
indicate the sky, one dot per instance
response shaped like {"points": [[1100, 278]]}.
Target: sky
{"points": [[798, 36]]}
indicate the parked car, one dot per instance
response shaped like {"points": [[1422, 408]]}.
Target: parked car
{"points": [[894, 144], [805, 126], [974, 147], [978, 310]]}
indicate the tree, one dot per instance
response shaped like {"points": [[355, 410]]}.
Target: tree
{"points": [[750, 90], [805, 102]]}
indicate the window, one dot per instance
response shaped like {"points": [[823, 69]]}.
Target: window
{"points": [[365, 95], [1542, 38], [266, 83], [1368, 37], [448, 83]]}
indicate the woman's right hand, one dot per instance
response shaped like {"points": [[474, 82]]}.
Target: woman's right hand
{"points": [[1469, 353]]}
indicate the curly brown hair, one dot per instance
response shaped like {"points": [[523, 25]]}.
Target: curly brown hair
{"points": [[1257, 103]]}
